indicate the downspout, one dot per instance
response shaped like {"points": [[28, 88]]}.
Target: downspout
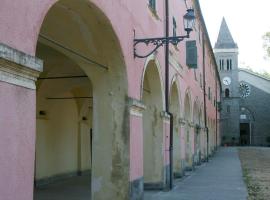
{"points": [[167, 91], [216, 114], [204, 100]]}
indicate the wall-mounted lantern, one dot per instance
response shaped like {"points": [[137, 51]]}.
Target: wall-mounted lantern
{"points": [[189, 20]]}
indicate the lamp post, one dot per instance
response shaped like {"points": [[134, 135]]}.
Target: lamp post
{"points": [[188, 19]]}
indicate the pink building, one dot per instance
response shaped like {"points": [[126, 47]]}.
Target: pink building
{"points": [[76, 102]]}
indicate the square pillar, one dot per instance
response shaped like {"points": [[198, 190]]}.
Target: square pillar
{"points": [[166, 149], [136, 149], [18, 73]]}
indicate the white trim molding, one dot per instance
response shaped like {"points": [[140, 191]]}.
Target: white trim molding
{"points": [[226, 50], [18, 68], [136, 107]]}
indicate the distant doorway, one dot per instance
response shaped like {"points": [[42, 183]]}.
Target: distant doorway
{"points": [[244, 134]]}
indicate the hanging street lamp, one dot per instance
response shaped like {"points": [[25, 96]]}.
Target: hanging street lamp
{"points": [[189, 20]]}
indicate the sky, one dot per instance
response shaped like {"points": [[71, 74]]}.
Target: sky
{"points": [[247, 20]]}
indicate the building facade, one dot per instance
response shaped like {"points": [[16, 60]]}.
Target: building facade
{"points": [[74, 101], [244, 118]]}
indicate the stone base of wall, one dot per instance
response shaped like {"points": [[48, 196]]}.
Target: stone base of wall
{"points": [[154, 186], [177, 175], [136, 189]]}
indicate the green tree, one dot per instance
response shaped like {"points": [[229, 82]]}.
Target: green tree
{"points": [[266, 43]]}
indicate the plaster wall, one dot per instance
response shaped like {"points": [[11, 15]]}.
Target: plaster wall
{"points": [[124, 77], [17, 122]]}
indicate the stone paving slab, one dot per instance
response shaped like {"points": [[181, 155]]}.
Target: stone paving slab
{"points": [[220, 179], [75, 188]]}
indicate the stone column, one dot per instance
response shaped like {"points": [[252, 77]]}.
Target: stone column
{"points": [[18, 73]]}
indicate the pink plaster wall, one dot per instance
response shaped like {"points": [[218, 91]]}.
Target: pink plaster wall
{"points": [[21, 22], [17, 142], [136, 147]]}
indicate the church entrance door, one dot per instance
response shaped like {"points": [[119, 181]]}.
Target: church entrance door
{"points": [[244, 134]]}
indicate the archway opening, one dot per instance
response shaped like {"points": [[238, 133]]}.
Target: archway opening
{"points": [[196, 121], [153, 129], [64, 127], [202, 135], [187, 116], [246, 123], [175, 110], [81, 99]]}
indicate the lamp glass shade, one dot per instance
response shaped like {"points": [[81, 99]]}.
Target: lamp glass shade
{"points": [[189, 20]]}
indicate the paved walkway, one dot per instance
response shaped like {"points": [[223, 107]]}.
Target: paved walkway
{"points": [[220, 179], [76, 188]]}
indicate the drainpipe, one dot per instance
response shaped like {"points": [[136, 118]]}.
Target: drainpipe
{"points": [[204, 100], [216, 114], [91, 154], [167, 91]]}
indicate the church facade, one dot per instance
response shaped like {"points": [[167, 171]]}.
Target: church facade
{"points": [[244, 114]]}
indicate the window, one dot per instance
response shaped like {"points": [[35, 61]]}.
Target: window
{"points": [[174, 27], [227, 93], [228, 65], [209, 93], [152, 5]]}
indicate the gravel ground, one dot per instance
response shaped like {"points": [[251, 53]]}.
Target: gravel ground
{"points": [[256, 171]]}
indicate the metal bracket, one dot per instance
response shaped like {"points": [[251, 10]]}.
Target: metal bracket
{"points": [[157, 42]]}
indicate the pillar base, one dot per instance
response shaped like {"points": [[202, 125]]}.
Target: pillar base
{"points": [[136, 189]]}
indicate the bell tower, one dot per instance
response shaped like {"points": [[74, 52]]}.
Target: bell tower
{"points": [[226, 54]]}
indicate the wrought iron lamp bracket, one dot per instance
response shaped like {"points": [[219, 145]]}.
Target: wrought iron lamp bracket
{"points": [[157, 42]]}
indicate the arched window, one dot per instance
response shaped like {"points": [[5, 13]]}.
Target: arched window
{"points": [[227, 93], [228, 64]]}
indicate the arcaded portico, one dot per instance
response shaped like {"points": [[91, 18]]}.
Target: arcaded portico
{"points": [[76, 105]]}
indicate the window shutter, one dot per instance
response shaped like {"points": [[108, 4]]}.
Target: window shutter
{"points": [[191, 54]]}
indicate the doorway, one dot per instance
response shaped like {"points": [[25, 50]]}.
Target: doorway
{"points": [[244, 134]]}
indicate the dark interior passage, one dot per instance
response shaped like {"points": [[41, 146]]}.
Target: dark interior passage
{"points": [[244, 134]]}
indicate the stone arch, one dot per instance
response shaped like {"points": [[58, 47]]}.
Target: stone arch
{"points": [[153, 60], [174, 108], [188, 106], [176, 81], [153, 139], [76, 40], [247, 119]]}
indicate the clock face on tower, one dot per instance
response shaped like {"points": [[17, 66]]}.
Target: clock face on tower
{"points": [[227, 80], [244, 90]]}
